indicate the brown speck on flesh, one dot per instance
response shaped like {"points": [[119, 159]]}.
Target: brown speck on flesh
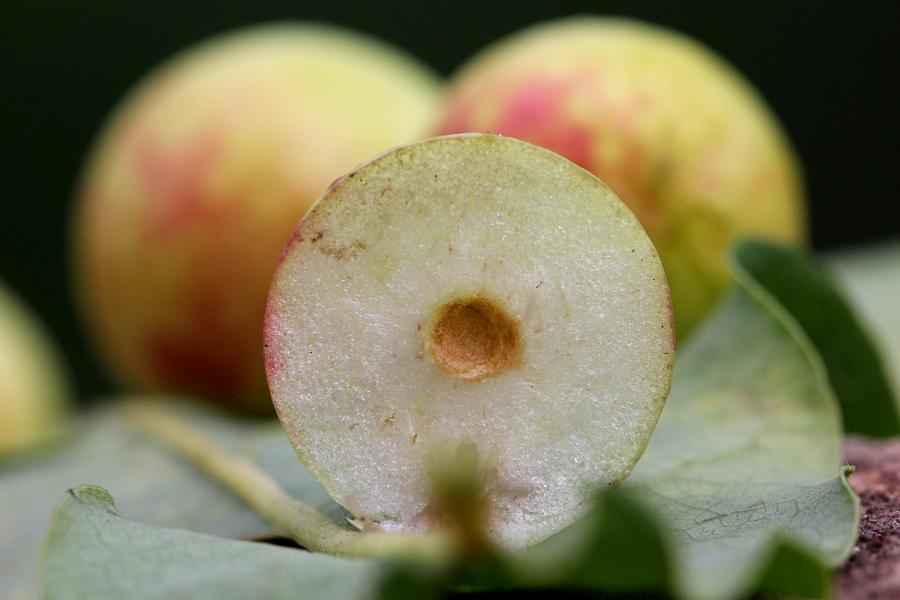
{"points": [[539, 285], [384, 190], [319, 235], [353, 426], [873, 570], [389, 421], [412, 440], [450, 248], [338, 249]]}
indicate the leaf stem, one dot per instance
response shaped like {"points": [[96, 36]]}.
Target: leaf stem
{"points": [[291, 517]]}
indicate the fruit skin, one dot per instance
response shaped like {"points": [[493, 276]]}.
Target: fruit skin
{"points": [[680, 136], [198, 179], [34, 385]]}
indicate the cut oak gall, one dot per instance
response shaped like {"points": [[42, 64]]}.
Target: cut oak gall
{"points": [[470, 294]]}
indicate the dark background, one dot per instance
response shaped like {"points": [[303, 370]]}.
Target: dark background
{"points": [[829, 70]]}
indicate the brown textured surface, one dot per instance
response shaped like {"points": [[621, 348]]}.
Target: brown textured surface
{"points": [[473, 338], [873, 571]]}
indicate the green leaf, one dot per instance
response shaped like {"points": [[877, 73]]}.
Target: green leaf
{"points": [[794, 572], [748, 449], [871, 278], [93, 552], [854, 366], [152, 484]]}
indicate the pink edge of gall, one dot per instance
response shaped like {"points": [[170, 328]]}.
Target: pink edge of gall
{"points": [[295, 238], [273, 362]]}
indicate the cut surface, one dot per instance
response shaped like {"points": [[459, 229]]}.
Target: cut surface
{"points": [[469, 291]]}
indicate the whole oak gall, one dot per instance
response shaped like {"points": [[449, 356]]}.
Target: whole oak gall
{"points": [[196, 181], [34, 384], [676, 132]]}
